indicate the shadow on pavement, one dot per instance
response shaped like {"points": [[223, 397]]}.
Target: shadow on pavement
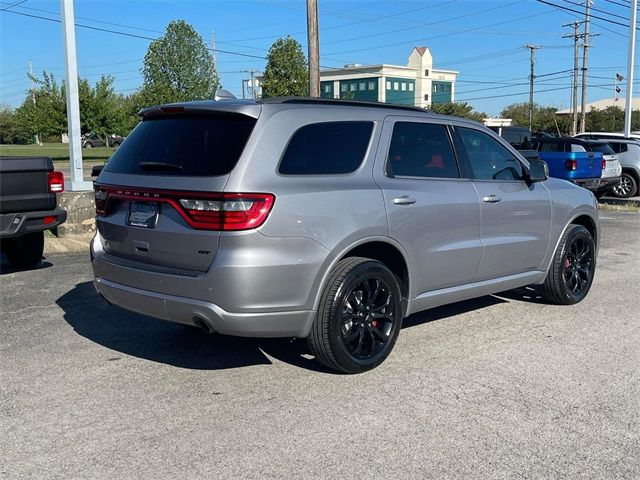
{"points": [[165, 342], [181, 346], [6, 267]]}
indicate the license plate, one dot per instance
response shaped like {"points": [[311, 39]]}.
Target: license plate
{"points": [[143, 214]]}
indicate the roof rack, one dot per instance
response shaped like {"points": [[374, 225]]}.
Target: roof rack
{"points": [[336, 101]]}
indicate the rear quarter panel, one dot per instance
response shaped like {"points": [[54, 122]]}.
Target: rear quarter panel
{"points": [[589, 164]]}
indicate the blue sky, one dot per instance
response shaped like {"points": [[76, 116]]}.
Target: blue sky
{"points": [[482, 39]]}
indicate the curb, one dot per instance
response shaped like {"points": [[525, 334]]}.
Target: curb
{"points": [[67, 244]]}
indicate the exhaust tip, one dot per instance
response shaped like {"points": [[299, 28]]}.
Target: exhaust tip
{"points": [[203, 325]]}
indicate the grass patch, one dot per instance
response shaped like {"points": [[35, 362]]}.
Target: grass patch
{"points": [[632, 206], [59, 152]]}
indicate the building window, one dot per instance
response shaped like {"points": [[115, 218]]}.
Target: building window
{"points": [[362, 86], [396, 86], [343, 87], [403, 86], [435, 89], [426, 97], [411, 87], [388, 85], [327, 89], [372, 85], [426, 73], [353, 87]]}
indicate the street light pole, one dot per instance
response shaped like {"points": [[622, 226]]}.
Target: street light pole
{"points": [[630, 61], [73, 103]]}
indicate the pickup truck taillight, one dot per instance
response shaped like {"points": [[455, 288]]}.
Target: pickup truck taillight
{"points": [[572, 165], [604, 164], [200, 210], [55, 181]]}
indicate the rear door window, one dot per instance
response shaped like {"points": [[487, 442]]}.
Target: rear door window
{"points": [[184, 145], [329, 148], [421, 150]]}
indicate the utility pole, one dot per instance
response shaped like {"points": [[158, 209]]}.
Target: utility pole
{"points": [[251, 84], [36, 137], [214, 73], [532, 49], [314, 49], [73, 103], [585, 49], [574, 83], [630, 61]]}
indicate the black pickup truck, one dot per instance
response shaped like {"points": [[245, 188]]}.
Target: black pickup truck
{"points": [[28, 207]]}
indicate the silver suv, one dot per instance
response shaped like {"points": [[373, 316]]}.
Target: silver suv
{"points": [[628, 151], [328, 220]]}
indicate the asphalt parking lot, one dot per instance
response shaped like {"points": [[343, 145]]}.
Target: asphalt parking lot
{"points": [[498, 387]]}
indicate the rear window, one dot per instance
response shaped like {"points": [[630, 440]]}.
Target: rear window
{"points": [[601, 147], [551, 147], [326, 148], [185, 145]]}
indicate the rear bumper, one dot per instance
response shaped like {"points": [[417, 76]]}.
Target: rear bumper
{"points": [[18, 224], [190, 311], [588, 183], [607, 183]]}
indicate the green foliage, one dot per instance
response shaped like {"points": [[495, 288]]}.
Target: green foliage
{"points": [[47, 116], [178, 67], [543, 117], [286, 72], [7, 126], [458, 109], [101, 110]]}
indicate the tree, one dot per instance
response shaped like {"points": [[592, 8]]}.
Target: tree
{"points": [[543, 117], [7, 127], [101, 110], [286, 72], [178, 67], [46, 117], [458, 109]]}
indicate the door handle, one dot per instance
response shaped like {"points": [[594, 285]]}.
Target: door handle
{"points": [[404, 200], [491, 199]]}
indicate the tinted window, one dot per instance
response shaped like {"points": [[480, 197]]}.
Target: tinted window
{"points": [[488, 159], [600, 147], [551, 147], [421, 150], [183, 145], [618, 147], [327, 148], [518, 138]]}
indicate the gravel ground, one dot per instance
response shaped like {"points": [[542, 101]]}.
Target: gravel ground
{"points": [[499, 387]]}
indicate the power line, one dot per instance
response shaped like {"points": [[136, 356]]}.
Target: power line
{"points": [[562, 7]]}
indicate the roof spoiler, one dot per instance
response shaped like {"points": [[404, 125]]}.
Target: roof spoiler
{"points": [[222, 94]]}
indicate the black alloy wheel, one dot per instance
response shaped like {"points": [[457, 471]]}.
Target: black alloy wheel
{"points": [[576, 265], [367, 318], [359, 316], [572, 268]]}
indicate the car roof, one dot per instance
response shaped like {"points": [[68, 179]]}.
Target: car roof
{"points": [[253, 108]]}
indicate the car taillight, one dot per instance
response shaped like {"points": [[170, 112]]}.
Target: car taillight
{"points": [[55, 182], [604, 164], [202, 211], [100, 197], [232, 211], [572, 165]]}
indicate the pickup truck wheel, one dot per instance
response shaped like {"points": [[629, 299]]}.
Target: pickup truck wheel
{"points": [[24, 252], [359, 317], [628, 187], [571, 273]]}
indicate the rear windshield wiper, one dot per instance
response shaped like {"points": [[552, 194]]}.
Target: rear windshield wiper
{"points": [[150, 166]]}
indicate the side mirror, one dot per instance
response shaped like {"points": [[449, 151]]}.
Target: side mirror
{"points": [[96, 169], [538, 171]]}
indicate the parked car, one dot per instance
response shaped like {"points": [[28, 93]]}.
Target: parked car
{"points": [[28, 206], [91, 140], [628, 151], [519, 138], [328, 220], [568, 158], [611, 168]]}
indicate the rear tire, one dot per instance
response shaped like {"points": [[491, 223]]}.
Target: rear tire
{"points": [[572, 268], [628, 187], [359, 316], [24, 252]]}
